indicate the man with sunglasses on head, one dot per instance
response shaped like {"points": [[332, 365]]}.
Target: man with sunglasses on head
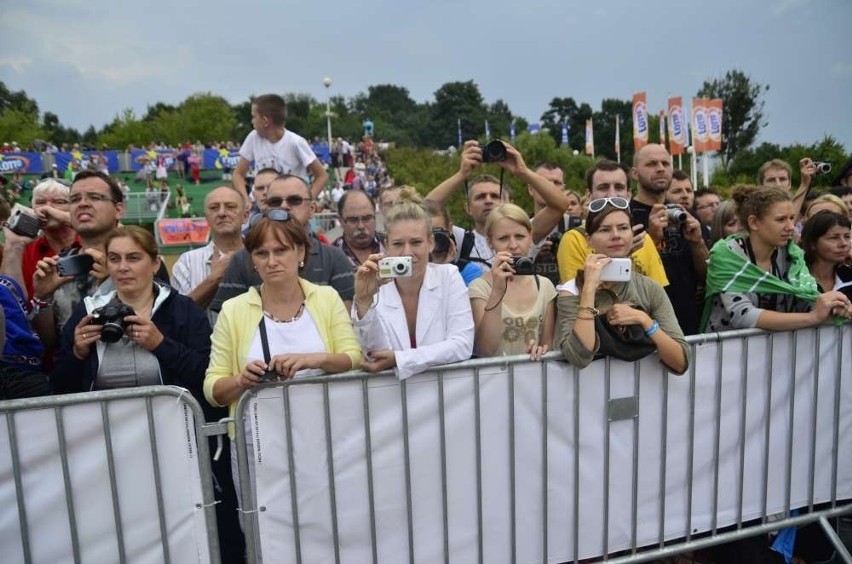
{"points": [[676, 232], [359, 240], [609, 180], [326, 265]]}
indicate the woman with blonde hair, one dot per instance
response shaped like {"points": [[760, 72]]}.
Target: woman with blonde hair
{"points": [[415, 315], [513, 308]]}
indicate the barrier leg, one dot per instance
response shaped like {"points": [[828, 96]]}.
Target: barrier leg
{"points": [[835, 540]]}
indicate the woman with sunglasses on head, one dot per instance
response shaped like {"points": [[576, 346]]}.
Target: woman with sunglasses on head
{"points": [[284, 328], [826, 242], [758, 277], [513, 308], [609, 233], [420, 316], [142, 333]]}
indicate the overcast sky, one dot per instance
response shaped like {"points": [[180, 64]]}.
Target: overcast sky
{"points": [[87, 60]]}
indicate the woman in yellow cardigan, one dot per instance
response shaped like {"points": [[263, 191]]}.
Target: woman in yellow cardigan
{"points": [[287, 327]]}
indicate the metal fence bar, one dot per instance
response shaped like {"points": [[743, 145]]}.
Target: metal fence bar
{"points": [[717, 438], [841, 549], [663, 452], [690, 452], [403, 397], [248, 504], [792, 413], [443, 429], [478, 432], [742, 433], [368, 445], [294, 495], [835, 439], [19, 487], [332, 493], [634, 501], [512, 504], [766, 428], [544, 428], [116, 510], [814, 403], [66, 479], [607, 364], [575, 378], [734, 535], [158, 483]]}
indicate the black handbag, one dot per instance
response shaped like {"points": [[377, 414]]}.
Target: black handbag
{"points": [[624, 342]]}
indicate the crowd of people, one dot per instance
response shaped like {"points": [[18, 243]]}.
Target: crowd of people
{"points": [[89, 305]]}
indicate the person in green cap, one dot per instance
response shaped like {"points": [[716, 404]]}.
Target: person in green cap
{"points": [[758, 277]]}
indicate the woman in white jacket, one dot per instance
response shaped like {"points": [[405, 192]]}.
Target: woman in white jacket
{"points": [[411, 323]]}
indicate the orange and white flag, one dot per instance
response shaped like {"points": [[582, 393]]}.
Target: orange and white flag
{"points": [[663, 128], [700, 134], [640, 121], [714, 124], [590, 138], [677, 127]]}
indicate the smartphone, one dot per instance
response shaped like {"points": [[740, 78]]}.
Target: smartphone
{"points": [[640, 216], [75, 265], [618, 270]]}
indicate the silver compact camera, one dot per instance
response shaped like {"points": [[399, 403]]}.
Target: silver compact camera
{"points": [[395, 267]]}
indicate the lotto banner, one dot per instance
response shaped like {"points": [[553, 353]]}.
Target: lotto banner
{"points": [[140, 158], [700, 135], [20, 162], [188, 231], [222, 158], [714, 124], [63, 160], [677, 127], [640, 120], [590, 138]]}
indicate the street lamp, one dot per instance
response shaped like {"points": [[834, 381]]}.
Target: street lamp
{"points": [[327, 83]]}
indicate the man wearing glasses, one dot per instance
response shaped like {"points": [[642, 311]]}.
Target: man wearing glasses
{"points": [[357, 214], [96, 205], [326, 265]]}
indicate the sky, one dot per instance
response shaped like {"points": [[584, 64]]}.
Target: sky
{"points": [[88, 60]]}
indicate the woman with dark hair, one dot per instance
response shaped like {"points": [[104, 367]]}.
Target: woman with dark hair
{"points": [[582, 300], [758, 278], [140, 334], [826, 241]]}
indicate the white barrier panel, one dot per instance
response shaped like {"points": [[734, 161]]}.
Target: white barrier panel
{"points": [[806, 421], [50, 526]]}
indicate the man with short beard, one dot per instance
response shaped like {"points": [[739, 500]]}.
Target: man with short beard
{"points": [[681, 244], [357, 214]]}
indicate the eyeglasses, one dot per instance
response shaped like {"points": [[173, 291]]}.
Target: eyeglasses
{"points": [[274, 214], [93, 197], [708, 205], [54, 201], [597, 205], [355, 220], [292, 201]]}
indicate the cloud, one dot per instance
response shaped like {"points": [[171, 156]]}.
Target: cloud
{"points": [[784, 6], [842, 70]]}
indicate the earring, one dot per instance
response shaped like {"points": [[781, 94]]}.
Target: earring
{"points": [[301, 264], [253, 267]]}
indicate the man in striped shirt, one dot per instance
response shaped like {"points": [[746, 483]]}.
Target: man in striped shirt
{"points": [[197, 273]]}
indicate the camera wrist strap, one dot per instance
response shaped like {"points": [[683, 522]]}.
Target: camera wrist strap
{"points": [[264, 340]]}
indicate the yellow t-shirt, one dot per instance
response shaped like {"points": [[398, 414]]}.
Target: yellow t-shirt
{"points": [[574, 249]]}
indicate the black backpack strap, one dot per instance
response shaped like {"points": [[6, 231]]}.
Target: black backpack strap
{"points": [[466, 249]]}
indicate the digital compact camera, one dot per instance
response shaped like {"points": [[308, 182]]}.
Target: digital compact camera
{"points": [[113, 317], [395, 267], [524, 266], [74, 263], [23, 224], [676, 214]]}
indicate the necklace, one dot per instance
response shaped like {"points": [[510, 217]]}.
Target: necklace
{"points": [[296, 316]]}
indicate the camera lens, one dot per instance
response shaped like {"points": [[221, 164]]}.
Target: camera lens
{"points": [[112, 332], [493, 152], [442, 242], [400, 267]]}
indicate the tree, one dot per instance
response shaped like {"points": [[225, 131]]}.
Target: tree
{"points": [[604, 121], [16, 100], [20, 126], [566, 110], [456, 101], [742, 114]]}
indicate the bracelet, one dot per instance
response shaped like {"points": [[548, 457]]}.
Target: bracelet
{"points": [[652, 329], [587, 318], [42, 302], [593, 310]]}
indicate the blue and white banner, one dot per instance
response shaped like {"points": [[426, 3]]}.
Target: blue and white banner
{"points": [[11, 163], [534, 128], [83, 158], [564, 132], [220, 159]]}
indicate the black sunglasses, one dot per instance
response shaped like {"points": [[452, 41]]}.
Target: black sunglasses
{"points": [[274, 214], [293, 201]]}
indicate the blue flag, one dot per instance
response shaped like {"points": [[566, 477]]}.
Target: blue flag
{"points": [[487, 131], [564, 133], [460, 135], [512, 130]]}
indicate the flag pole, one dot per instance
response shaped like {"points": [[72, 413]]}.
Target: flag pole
{"points": [[618, 137]]}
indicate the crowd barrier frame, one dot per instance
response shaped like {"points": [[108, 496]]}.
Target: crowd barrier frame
{"points": [[10, 410], [618, 409]]}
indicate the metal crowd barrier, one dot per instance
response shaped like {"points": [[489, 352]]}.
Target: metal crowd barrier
{"points": [[114, 476], [139, 207], [504, 460]]}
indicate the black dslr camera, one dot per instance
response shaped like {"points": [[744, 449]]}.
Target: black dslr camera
{"points": [[442, 241], [524, 266], [113, 317], [23, 224], [493, 152]]}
